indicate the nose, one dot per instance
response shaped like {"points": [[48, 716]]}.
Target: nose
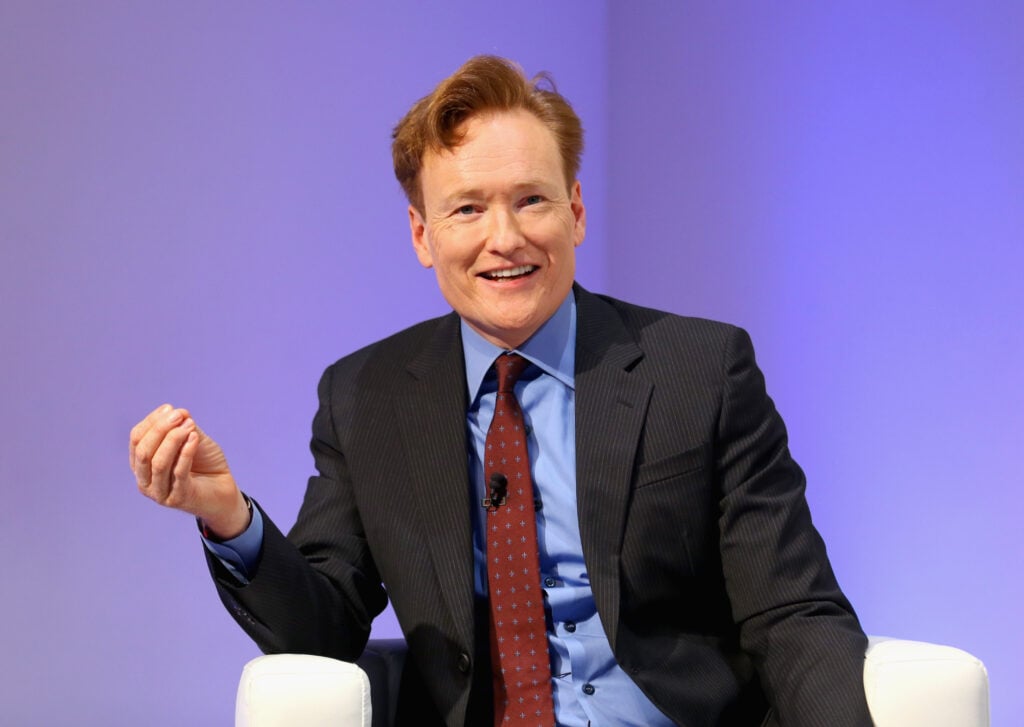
{"points": [[504, 232]]}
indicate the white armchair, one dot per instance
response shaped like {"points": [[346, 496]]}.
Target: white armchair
{"points": [[908, 684]]}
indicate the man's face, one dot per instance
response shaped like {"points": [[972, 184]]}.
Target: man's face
{"points": [[499, 226]]}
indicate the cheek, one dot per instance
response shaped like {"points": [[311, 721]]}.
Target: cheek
{"points": [[453, 263], [553, 230], [455, 247]]}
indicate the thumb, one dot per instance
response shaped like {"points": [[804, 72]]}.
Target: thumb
{"points": [[209, 457]]}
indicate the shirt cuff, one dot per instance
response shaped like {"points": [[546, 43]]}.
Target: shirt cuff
{"points": [[240, 555]]}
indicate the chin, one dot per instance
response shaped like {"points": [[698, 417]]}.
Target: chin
{"points": [[506, 334]]}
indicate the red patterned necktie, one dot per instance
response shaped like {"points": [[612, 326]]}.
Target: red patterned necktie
{"points": [[519, 644]]}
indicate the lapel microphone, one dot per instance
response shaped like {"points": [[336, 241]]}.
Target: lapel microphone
{"points": [[498, 486]]}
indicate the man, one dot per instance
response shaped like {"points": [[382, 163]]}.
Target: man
{"points": [[677, 578]]}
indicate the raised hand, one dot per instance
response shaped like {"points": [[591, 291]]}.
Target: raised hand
{"points": [[178, 466]]}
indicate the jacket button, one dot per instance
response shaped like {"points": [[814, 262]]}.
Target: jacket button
{"points": [[570, 626], [588, 689], [463, 662]]}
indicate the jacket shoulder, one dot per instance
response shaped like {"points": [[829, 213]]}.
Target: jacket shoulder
{"points": [[380, 361], [656, 330]]}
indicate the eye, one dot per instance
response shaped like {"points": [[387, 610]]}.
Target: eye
{"points": [[533, 199], [466, 209]]}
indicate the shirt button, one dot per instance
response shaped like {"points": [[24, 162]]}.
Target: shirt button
{"points": [[588, 689], [549, 582], [463, 662], [570, 626]]}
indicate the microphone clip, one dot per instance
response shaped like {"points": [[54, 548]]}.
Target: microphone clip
{"points": [[498, 486]]}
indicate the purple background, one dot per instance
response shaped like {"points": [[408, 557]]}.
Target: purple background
{"points": [[196, 206]]}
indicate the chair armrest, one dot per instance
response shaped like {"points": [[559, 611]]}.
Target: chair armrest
{"points": [[908, 684], [284, 690], [916, 684], [383, 660]]}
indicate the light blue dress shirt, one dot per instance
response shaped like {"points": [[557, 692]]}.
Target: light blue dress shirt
{"points": [[589, 686]]}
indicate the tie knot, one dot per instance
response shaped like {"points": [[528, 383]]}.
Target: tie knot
{"points": [[508, 367]]}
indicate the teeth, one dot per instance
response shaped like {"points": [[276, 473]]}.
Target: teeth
{"points": [[511, 272]]}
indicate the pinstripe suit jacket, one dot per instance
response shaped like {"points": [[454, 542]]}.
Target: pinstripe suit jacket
{"points": [[713, 586]]}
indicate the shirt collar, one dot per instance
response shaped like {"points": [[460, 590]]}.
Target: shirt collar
{"points": [[552, 348]]}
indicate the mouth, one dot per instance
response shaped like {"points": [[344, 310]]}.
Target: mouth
{"points": [[520, 271]]}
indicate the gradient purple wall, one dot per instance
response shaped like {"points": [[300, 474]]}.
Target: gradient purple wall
{"points": [[849, 186], [196, 206]]}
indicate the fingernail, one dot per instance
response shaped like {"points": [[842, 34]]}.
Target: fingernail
{"points": [[188, 423], [174, 417]]}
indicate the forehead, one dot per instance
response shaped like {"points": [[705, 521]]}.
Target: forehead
{"points": [[497, 148]]}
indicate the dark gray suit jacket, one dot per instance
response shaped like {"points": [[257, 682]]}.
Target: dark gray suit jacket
{"points": [[712, 584]]}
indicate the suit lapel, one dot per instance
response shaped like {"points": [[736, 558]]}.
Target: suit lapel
{"points": [[431, 409], [611, 405]]}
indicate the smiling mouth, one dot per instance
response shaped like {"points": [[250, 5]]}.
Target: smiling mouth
{"points": [[509, 273]]}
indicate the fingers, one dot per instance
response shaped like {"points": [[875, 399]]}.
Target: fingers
{"points": [[155, 447], [140, 430], [163, 464], [183, 463], [135, 436]]}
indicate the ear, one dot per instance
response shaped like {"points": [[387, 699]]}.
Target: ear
{"points": [[418, 229], [579, 213]]}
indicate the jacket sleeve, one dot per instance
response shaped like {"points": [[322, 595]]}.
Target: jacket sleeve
{"points": [[318, 590], [795, 623]]}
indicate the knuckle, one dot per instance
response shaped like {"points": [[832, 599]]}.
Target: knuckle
{"points": [[158, 465], [175, 500]]}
